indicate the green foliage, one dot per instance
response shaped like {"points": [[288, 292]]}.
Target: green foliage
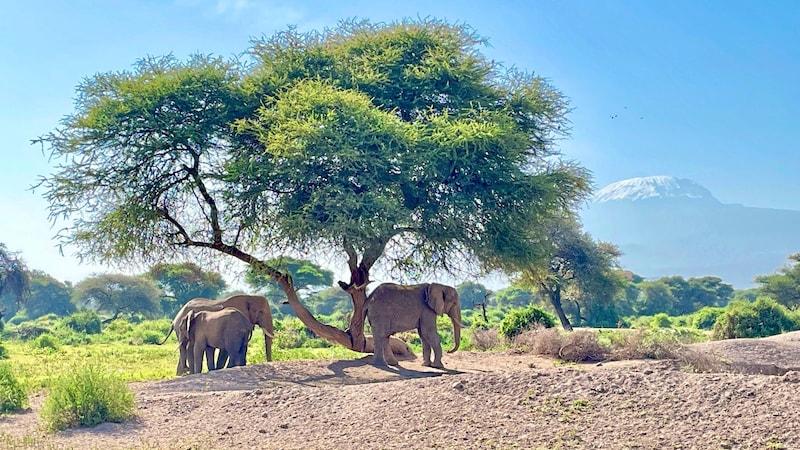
{"points": [[119, 294], [86, 398], [514, 296], [183, 282], [519, 320], [764, 317], [345, 140], [12, 395], [48, 295], [784, 286], [14, 280], [84, 322], [472, 294], [291, 333], [305, 274], [705, 318], [661, 320], [46, 342]]}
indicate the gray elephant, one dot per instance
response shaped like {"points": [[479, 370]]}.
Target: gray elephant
{"points": [[228, 330], [255, 307], [392, 308]]}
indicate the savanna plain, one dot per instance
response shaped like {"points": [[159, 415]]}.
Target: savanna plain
{"points": [[732, 394]]}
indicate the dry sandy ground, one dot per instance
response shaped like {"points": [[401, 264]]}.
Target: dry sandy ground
{"points": [[483, 401]]}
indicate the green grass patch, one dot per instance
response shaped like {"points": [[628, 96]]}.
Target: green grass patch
{"points": [[86, 397], [12, 393]]}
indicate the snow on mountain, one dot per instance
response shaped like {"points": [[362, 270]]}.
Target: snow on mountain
{"points": [[642, 188]]}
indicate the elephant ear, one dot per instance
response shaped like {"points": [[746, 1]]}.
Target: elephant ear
{"points": [[434, 297]]}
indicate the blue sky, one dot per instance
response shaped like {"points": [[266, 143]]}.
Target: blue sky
{"points": [[703, 90]]}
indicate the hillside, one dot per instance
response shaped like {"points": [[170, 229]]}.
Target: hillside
{"points": [[484, 401], [667, 226]]}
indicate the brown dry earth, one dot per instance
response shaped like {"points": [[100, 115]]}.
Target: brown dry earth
{"points": [[483, 401]]}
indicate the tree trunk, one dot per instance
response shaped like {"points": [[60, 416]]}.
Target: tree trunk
{"points": [[320, 329], [555, 299]]}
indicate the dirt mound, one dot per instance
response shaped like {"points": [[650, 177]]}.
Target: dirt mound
{"points": [[483, 400], [774, 355]]}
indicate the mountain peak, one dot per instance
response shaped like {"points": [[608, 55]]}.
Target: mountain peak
{"points": [[642, 188]]}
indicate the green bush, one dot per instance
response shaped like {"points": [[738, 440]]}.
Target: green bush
{"points": [[661, 320], [85, 398], [3, 352], [705, 318], [140, 337], [26, 331], [84, 322], [46, 341], [763, 317], [519, 320], [12, 395]]}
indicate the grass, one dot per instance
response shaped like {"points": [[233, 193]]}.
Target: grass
{"points": [[36, 367]]}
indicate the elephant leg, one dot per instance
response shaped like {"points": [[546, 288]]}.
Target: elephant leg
{"points": [[197, 358], [210, 358], [222, 359], [184, 351], [429, 335], [426, 349], [380, 343], [388, 354]]}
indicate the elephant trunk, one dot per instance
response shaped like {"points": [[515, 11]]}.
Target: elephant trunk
{"points": [[455, 316]]}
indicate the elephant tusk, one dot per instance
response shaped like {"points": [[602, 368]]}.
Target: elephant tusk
{"points": [[268, 334]]}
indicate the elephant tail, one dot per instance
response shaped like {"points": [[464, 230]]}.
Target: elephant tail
{"points": [[171, 328]]}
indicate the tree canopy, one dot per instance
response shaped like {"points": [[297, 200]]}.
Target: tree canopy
{"points": [[14, 279], [783, 286], [576, 268], [48, 295], [183, 282], [394, 143], [118, 294]]}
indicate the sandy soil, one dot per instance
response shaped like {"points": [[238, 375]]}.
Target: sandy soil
{"points": [[483, 401]]}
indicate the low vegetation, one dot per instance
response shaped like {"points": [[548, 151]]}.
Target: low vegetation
{"points": [[86, 397]]}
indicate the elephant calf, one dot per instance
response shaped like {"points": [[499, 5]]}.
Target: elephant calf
{"points": [[228, 329]]}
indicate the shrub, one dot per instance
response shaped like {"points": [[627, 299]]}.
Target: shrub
{"points": [[519, 320], [485, 339], [574, 346], [661, 320], [645, 344], [84, 322], [46, 341], [140, 337], [27, 331], [705, 318], [3, 352], [86, 397], [763, 317], [12, 395]]}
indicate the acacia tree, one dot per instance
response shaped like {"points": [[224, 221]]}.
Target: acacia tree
{"points": [[576, 267], [183, 282], [397, 143], [118, 294], [783, 286], [305, 274], [14, 278]]}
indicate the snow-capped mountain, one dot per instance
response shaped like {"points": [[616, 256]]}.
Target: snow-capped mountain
{"points": [[668, 226], [653, 187]]}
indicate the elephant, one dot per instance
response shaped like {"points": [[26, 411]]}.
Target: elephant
{"points": [[228, 330], [392, 308], [255, 307]]}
